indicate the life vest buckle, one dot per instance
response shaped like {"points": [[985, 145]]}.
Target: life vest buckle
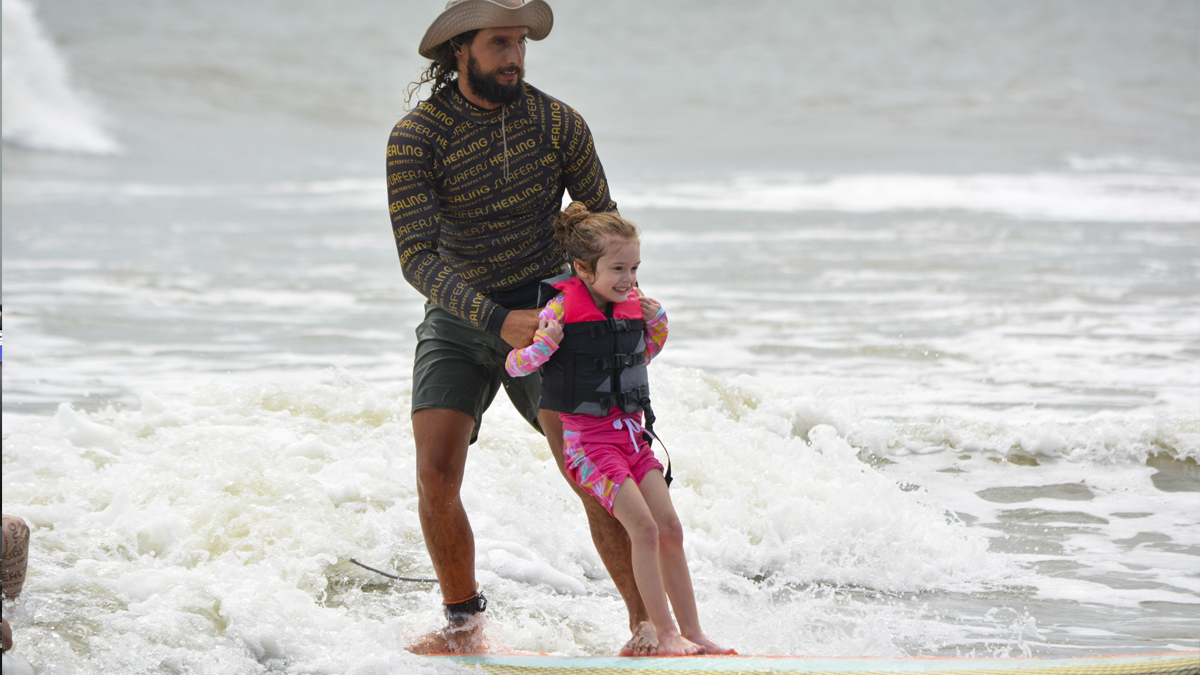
{"points": [[620, 361], [619, 325], [625, 398]]}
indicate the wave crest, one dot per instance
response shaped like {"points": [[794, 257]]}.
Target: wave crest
{"points": [[40, 109], [1080, 196]]}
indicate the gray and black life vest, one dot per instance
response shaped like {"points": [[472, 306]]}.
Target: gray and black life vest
{"points": [[601, 363]]}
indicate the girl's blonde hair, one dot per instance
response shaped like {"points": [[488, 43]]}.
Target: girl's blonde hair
{"points": [[585, 235]]}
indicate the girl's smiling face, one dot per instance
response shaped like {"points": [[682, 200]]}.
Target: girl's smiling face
{"points": [[615, 274]]}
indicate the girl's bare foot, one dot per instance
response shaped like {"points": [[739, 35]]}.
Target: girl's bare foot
{"points": [[677, 645], [709, 646]]}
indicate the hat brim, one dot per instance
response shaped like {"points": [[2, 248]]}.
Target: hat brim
{"points": [[478, 14]]}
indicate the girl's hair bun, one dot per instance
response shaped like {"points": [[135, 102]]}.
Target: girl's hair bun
{"points": [[570, 218], [584, 234]]}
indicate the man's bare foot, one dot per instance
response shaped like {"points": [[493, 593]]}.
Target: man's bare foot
{"points": [[643, 643], [677, 645], [709, 646], [467, 638]]}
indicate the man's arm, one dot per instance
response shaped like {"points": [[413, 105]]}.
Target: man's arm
{"points": [[583, 175], [417, 224]]}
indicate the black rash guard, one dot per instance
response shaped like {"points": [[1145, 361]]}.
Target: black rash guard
{"points": [[468, 223]]}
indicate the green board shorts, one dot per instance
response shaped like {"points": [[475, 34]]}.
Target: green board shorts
{"points": [[460, 367]]}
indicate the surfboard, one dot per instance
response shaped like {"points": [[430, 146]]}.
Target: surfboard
{"points": [[1175, 663]]}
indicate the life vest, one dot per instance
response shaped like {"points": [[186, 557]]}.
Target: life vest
{"points": [[601, 363]]}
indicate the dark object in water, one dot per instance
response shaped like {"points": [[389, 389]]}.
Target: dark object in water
{"points": [[393, 576]]}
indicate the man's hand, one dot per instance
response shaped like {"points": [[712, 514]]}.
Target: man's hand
{"points": [[519, 327]]}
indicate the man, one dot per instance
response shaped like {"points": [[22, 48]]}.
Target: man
{"points": [[476, 174], [15, 557]]}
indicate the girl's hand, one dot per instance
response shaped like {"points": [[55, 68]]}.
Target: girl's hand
{"points": [[650, 307], [551, 329]]}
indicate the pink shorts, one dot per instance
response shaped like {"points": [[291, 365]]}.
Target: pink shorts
{"points": [[601, 452]]}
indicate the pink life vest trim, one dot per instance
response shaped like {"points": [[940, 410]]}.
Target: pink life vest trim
{"points": [[578, 305]]}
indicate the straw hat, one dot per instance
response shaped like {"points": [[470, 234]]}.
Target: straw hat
{"points": [[461, 16]]}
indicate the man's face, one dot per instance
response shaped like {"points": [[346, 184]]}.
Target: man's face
{"points": [[494, 63]]}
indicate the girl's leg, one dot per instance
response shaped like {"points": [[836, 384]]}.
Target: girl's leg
{"points": [[677, 581], [631, 510]]}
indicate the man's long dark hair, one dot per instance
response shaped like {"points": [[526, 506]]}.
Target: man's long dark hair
{"points": [[443, 70]]}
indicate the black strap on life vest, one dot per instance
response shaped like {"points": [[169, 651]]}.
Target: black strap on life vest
{"points": [[639, 395], [649, 435]]}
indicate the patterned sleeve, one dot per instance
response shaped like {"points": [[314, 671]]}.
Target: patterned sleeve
{"points": [[522, 362], [656, 334], [583, 175], [417, 224]]}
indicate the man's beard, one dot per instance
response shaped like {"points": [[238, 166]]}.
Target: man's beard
{"points": [[486, 87]]}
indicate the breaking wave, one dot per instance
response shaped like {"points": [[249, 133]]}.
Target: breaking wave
{"points": [[1081, 196], [41, 110], [1095, 191]]}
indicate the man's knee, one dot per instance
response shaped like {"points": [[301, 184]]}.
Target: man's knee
{"points": [[441, 437], [436, 481]]}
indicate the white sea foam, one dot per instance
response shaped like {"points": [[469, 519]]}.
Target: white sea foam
{"points": [[358, 194], [213, 530], [1079, 196], [1088, 194], [1127, 541], [41, 109], [1103, 439], [1130, 164], [221, 524]]}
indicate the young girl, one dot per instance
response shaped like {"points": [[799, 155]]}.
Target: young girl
{"points": [[592, 346]]}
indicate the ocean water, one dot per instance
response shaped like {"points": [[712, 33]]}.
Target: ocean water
{"points": [[932, 387]]}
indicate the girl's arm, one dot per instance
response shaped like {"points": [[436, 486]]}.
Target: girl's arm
{"points": [[656, 328], [522, 362]]}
